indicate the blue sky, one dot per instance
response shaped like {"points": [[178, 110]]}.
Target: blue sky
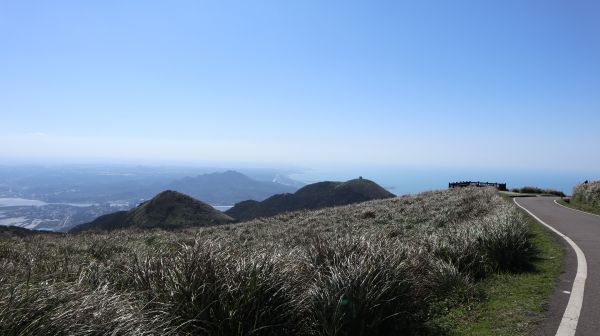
{"points": [[430, 83]]}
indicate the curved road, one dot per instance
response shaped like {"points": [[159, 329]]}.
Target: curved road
{"points": [[583, 230]]}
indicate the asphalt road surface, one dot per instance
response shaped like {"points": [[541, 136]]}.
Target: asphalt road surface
{"points": [[578, 290]]}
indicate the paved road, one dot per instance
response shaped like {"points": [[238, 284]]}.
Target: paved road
{"points": [[584, 230]]}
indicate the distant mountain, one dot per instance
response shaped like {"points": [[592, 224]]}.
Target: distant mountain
{"points": [[108, 188], [167, 210], [228, 188], [285, 180], [312, 196]]}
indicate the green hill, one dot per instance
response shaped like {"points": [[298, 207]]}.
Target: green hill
{"points": [[313, 196], [167, 210]]}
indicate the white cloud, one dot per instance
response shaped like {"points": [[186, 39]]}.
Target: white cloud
{"points": [[36, 134]]}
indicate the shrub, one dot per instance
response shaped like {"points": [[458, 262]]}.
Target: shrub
{"points": [[72, 309], [210, 290], [260, 297], [536, 190], [587, 194], [505, 241], [368, 291], [495, 243], [185, 285]]}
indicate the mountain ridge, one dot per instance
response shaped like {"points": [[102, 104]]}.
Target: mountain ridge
{"points": [[313, 196], [167, 210]]}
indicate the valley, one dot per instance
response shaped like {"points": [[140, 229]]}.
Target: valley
{"points": [[57, 198]]}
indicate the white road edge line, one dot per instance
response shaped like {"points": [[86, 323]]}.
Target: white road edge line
{"points": [[585, 212], [568, 324]]}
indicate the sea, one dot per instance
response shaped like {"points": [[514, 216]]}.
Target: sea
{"points": [[20, 202], [411, 180]]}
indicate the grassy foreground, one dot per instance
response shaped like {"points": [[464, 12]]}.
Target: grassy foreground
{"points": [[580, 206], [512, 304], [451, 262]]}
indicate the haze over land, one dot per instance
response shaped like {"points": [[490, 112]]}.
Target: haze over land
{"points": [[59, 197]]}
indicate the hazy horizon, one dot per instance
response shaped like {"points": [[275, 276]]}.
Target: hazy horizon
{"points": [[427, 84], [399, 179]]}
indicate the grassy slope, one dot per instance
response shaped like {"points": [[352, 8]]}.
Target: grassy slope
{"points": [[580, 206], [513, 304], [131, 269]]}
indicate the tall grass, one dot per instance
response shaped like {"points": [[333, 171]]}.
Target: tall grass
{"points": [[71, 309], [361, 288], [376, 268], [587, 194]]}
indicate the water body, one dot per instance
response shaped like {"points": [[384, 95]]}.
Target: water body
{"points": [[12, 202], [19, 202], [15, 221], [403, 180]]}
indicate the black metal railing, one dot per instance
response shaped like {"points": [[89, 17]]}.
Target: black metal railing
{"points": [[462, 184]]}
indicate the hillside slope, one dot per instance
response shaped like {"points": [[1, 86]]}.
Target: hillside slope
{"points": [[389, 267], [313, 196], [169, 209]]}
